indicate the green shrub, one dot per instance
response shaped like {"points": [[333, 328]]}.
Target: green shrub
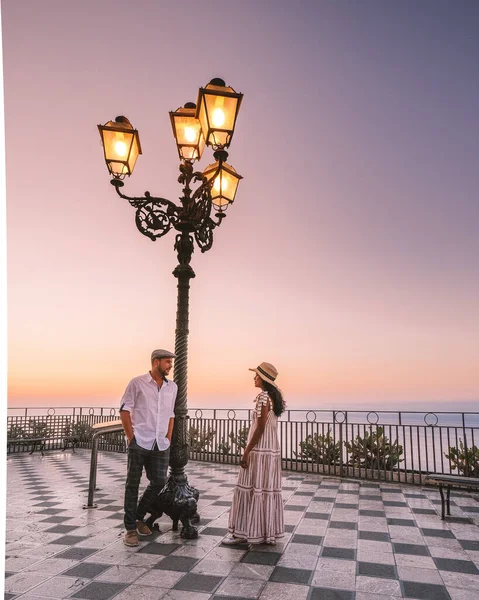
{"points": [[38, 429], [374, 451], [224, 447], [466, 461], [82, 432], [320, 449], [240, 439], [200, 439], [15, 432]]}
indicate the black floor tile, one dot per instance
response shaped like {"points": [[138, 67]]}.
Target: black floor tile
{"points": [[294, 507], [324, 499], [111, 507], [469, 545], [314, 515], [377, 570], [261, 558], [373, 497], [215, 531], [412, 549], [289, 528], [310, 493], [423, 511], [377, 536], [345, 505], [209, 497], [329, 594], [9, 596], [300, 538], [195, 582], [346, 553], [176, 563], [87, 570], [229, 598], [70, 540], [424, 591], [157, 548], [412, 495], [441, 533], [61, 529], [53, 519], [470, 509], [222, 503], [289, 575], [456, 566], [77, 553], [402, 522], [343, 525], [394, 503], [372, 513], [98, 590], [329, 486]]}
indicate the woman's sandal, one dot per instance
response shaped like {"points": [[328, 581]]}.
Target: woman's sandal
{"points": [[231, 540]]}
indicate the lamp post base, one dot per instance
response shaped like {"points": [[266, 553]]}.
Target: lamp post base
{"points": [[179, 500]]}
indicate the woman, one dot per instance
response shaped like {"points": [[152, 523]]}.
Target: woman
{"points": [[256, 515]]}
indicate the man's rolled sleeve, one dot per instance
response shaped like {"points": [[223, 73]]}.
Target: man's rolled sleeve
{"points": [[128, 400]]}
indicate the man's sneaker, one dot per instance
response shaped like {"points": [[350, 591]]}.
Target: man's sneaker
{"points": [[142, 528], [231, 540], [131, 538]]}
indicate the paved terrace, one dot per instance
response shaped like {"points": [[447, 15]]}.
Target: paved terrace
{"points": [[345, 540]]}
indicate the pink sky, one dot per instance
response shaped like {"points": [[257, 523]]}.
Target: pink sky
{"points": [[349, 259]]}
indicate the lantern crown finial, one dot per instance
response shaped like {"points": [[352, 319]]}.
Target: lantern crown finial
{"points": [[218, 81]]}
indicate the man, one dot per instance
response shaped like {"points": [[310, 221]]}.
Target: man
{"points": [[147, 415]]}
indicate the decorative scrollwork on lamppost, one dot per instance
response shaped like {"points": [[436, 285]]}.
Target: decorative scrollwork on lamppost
{"points": [[206, 195]]}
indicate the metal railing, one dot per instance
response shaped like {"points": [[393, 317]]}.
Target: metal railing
{"points": [[56, 424], [400, 446]]}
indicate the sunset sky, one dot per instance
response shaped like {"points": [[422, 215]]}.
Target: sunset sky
{"points": [[349, 259]]}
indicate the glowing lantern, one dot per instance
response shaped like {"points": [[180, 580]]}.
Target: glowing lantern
{"points": [[188, 133], [225, 183], [121, 144], [218, 107]]}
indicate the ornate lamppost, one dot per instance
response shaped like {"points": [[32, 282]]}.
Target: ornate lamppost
{"points": [[210, 122]]}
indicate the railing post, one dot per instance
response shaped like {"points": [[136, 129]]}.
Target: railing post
{"points": [[466, 453]]}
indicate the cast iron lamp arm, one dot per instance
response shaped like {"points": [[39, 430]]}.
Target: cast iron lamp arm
{"points": [[154, 216], [136, 202]]}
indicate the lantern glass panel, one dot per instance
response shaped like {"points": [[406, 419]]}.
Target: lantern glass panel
{"points": [[121, 146], [189, 137], [217, 110], [223, 190]]}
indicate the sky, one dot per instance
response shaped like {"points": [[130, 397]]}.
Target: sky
{"points": [[349, 259]]}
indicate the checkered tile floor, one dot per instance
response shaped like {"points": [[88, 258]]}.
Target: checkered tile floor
{"points": [[345, 540]]}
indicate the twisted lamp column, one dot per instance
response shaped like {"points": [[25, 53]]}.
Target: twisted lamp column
{"points": [[178, 499]]}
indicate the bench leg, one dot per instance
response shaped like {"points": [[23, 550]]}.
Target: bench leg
{"points": [[448, 499], [441, 491]]}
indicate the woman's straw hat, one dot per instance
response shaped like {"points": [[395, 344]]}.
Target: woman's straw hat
{"points": [[267, 372]]}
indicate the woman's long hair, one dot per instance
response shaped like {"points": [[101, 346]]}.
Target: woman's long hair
{"points": [[279, 404]]}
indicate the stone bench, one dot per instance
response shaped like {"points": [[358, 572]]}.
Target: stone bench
{"points": [[449, 482]]}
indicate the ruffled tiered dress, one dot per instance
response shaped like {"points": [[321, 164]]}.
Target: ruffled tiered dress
{"points": [[257, 508]]}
